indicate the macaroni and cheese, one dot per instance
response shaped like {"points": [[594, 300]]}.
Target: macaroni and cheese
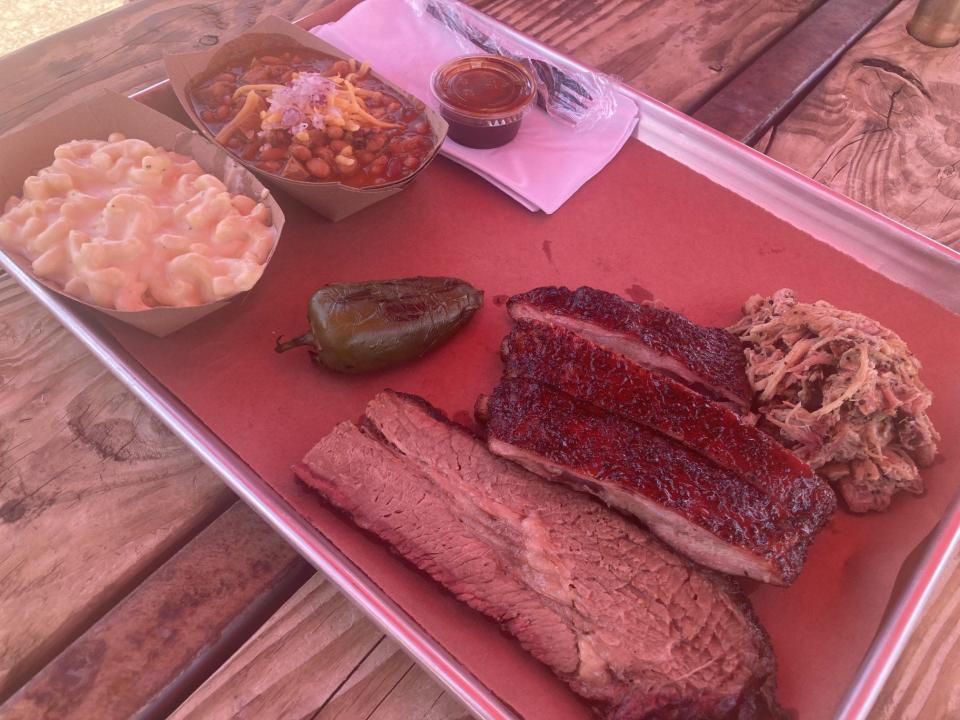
{"points": [[125, 225]]}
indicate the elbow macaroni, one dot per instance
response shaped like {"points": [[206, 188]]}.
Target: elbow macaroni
{"points": [[128, 226]]}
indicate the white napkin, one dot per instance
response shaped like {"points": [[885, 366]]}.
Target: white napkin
{"points": [[542, 167]]}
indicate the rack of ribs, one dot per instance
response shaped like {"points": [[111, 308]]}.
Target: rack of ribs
{"points": [[709, 360], [704, 511], [580, 368]]}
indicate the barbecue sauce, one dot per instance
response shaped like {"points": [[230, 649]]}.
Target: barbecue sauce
{"points": [[483, 98]]}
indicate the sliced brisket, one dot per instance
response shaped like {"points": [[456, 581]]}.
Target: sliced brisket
{"points": [[709, 360], [635, 629], [584, 370], [707, 513]]}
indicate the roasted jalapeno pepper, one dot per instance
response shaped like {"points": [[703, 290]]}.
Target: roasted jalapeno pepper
{"points": [[361, 327]]}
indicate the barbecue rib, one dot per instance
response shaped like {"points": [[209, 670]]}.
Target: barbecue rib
{"points": [[580, 368], [633, 628], [709, 360], [699, 509]]}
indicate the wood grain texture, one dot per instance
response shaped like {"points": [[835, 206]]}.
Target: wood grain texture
{"points": [[773, 83], [678, 51], [925, 684], [884, 129], [94, 491], [319, 657], [122, 50], [370, 684], [418, 697], [293, 664], [150, 651]]}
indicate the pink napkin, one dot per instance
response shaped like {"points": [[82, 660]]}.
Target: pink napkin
{"points": [[547, 162]]}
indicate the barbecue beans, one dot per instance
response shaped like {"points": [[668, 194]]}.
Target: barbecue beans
{"points": [[350, 149], [319, 168]]}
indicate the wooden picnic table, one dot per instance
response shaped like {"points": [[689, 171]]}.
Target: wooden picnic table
{"points": [[134, 583]]}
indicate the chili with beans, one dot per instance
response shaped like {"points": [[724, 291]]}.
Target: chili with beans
{"points": [[312, 117]]}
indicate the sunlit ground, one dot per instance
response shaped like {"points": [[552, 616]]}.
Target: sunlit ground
{"points": [[25, 21]]}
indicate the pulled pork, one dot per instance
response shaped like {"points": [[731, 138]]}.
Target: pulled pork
{"points": [[843, 392]]}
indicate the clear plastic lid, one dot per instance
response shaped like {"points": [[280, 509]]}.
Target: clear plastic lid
{"points": [[483, 88]]}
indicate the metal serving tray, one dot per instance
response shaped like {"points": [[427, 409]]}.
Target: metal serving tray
{"points": [[876, 241]]}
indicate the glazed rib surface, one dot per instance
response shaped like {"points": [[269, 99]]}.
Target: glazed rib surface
{"points": [[578, 367], [705, 512], [709, 360]]}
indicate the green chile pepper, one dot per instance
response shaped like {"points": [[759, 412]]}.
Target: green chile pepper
{"points": [[361, 327]]}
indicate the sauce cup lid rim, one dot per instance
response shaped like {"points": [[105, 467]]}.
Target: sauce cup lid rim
{"points": [[516, 111]]}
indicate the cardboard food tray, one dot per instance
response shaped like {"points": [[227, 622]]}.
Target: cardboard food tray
{"points": [[649, 225], [333, 200], [26, 151]]}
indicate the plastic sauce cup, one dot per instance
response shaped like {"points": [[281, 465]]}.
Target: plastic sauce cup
{"points": [[483, 98]]}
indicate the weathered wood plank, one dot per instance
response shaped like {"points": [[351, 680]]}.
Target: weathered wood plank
{"points": [[925, 684], [679, 51], [294, 663], [122, 50], [94, 492], [418, 697], [781, 76], [884, 129], [168, 635], [370, 684], [319, 657]]}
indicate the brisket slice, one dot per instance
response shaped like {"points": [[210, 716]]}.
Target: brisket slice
{"points": [[703, 511], [709, 360], [633, 628], [582, 369]]}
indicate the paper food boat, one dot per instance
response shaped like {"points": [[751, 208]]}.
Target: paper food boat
{"points": [[333, 200], [26, 151]]}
